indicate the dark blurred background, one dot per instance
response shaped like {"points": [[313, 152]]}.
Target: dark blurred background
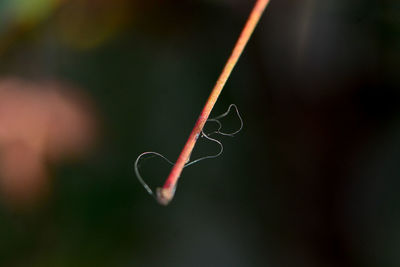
{"points": [[312, 180]]}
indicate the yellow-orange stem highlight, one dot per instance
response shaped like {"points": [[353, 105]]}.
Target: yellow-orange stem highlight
{"points": [[166, 193]]}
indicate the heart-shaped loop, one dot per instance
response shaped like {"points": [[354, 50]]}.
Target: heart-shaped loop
{"points": [[152, 154]]}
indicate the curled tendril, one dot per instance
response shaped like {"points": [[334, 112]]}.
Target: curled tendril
{"points": [[218, 131]]}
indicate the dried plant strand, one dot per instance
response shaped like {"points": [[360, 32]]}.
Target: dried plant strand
{"points": [[152, 154], [166, 193]]}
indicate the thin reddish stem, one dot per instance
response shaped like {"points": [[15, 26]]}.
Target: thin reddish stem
{"points": [[166, 193]]}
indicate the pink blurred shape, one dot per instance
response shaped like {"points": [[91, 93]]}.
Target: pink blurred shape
{"points": [[40, 123]]}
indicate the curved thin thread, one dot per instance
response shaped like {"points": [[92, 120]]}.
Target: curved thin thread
{"points": [[216, 119], [203, 134], [209, 156], [139, 177], [218, 131]]}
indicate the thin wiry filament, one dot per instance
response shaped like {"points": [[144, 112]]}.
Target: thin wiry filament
{"points": [[218, 131]]}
